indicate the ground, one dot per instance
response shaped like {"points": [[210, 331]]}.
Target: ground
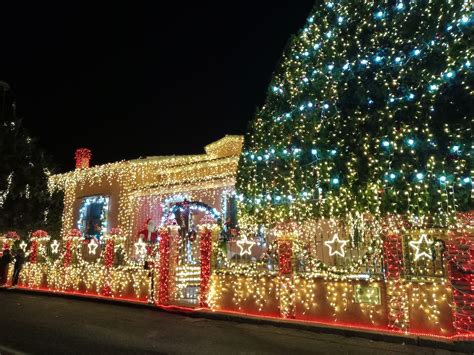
{"points": [[44, 324]]}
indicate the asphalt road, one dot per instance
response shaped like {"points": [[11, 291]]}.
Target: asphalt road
{"points": [[40, 324]]}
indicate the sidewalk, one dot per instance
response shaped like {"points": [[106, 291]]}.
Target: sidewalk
{"points": [[458, 344]]}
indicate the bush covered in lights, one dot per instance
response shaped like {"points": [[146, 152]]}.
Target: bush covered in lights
{"points": [[370, 111]]}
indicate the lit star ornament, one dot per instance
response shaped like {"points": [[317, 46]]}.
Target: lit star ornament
{"points": [[140, 247], [92, 247], [336, 246], [422, 247], [54, 247], [245, 246]]}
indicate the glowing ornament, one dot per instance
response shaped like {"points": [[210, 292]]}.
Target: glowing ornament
{"points": [[417, 52], [23, 245], [455, 148], [92, 247], [400, 6], [245, 246], [140, 248], [419, 176], [422, 247], [54, 247], [336, 246], [379, 14], [442, 179], [411, 142], [385, 144]]}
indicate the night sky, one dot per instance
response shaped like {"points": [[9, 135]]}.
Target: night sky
{"points": [[130, 80]]}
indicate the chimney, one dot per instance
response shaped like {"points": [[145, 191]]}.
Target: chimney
{"points": [[83, 158]]}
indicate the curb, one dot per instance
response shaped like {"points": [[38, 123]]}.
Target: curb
{"points": [[466, 346]]}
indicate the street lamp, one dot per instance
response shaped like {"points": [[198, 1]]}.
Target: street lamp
{"points": [[5, 87]]}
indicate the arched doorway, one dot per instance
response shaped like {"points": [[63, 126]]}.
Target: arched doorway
{"points": [[189, 228]]}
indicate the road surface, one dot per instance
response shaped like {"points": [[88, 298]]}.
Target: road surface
{"points": [[41, 324]]}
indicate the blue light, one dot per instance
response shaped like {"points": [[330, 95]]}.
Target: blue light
{"points": [[392, 176], [269, 197], [317, 46], [419, 176], [333, 152], [378, 59], [252, 156], [306, 53], [311, 20], [310, 104], [411, 142], [400, 6], [331, 66], [259, 158], [314, 151], [379, 14], [326, 106], [288, 115], [278, 198], [330, 5], [442, 179], [398, 60], [385, 144], [449, 74], [449, 28], [340, 19], [301, 107], [305, 80], [335, 181], [371, 101], [455, 148], [391, 99], [275, 89], [466, 180], [467, 64], [417, 52], [433, 87], [364, 61], [345, 66], [464, 19], [411, 96], [329, 34], [285, 151]]}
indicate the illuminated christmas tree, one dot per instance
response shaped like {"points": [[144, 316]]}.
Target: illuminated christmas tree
{"points": [[369, 112]]}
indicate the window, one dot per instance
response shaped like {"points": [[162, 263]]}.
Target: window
{"points": [[93, 216]]}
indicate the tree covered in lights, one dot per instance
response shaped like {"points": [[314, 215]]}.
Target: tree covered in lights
{"points": [[369, 111], [25, 202]]}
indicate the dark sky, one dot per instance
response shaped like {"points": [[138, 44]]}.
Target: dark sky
{"points": [[127, 79]]}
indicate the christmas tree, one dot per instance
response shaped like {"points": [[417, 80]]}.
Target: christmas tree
{"points": [[25, 202], [369, 112]]}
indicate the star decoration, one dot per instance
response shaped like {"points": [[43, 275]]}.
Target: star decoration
{"points": [[336, 246], [23, 245], [140, 247], [92, 247], [245, 246], [422, 247], [54, 247]]}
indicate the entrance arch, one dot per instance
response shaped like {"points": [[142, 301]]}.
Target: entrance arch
{"points": [[185, 251]]}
